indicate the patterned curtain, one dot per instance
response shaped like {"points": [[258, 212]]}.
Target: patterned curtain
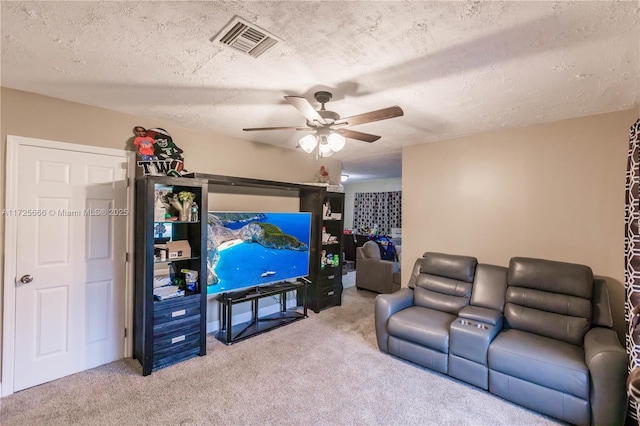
{"points": [[632, 256], [378, 208]]}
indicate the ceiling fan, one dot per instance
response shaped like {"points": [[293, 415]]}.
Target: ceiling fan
{"points": [[329, 129]]}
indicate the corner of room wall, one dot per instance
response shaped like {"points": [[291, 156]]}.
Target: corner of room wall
{"points": [[553, 190]]}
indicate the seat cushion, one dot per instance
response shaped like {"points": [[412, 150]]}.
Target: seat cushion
{"points": [[424, 326], [537, 359]]}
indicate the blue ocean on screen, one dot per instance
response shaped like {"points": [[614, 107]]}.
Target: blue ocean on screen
{"points": [[249, 264]]}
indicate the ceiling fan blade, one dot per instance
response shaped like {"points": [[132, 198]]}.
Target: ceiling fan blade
{"points": [[252, 129], [368, 117], [352, 134], [303, 105]]}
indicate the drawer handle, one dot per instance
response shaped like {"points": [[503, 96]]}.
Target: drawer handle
{"points": [[331, 277], [178, 313], [331, 293], [178, 339]]}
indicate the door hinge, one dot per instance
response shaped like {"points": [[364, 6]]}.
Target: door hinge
{"points": [[125, 333], [126, 257]]}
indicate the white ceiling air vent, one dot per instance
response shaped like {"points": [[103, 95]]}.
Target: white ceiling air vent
{"points": [[246, 37]]}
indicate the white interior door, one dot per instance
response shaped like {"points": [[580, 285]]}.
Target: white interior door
{"points": [[70, 248]]}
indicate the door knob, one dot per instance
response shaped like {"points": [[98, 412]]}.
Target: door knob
{"points": [[26, 279]]}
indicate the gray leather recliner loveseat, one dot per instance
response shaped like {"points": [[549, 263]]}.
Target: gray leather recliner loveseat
{"points": [[537, 333]]}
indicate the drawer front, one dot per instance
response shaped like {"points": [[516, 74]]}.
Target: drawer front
{"points": [[176, 340], [329, 292], [328, 300], [176, 311], [333, 281], [174, 332], [193, 299], [175, 343], [181, 351]]}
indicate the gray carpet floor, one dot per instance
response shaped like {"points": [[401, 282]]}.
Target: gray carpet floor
{"points": [[323, 370]]}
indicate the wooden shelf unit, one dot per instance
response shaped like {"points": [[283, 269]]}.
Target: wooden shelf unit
{"points": [[168, 331], [159, 338], [326, 288]]}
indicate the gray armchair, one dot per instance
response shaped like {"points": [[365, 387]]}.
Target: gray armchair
{"points": [[373, 273]]}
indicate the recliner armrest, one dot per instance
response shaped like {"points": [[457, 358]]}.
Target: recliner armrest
{"points": [[376, 275], [387, 305], [607, 363], [485, 315], [383, 266]]}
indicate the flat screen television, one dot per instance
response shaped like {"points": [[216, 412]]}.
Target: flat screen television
{"points": [[252, 249]]}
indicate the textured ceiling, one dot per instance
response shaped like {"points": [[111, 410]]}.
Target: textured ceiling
{"points": [[456, 68]]}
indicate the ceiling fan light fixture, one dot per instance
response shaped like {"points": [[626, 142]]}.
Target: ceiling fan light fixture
{"points": [[308, 143], [325, 150], [327, 140], [336, 141]]}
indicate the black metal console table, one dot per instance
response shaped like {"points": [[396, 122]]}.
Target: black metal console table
{"points": [[230, 333]]}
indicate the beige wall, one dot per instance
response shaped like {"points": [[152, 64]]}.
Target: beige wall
{"points": [[554, 191], [27, 114]]}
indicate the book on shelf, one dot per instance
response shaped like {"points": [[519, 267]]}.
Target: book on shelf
{"points": [[167, 292]]}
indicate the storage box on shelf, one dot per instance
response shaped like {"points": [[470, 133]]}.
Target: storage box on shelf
{"points": [[170, 249]]}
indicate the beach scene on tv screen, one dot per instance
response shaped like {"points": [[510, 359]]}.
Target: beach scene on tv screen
{"points": [[249, 249]]}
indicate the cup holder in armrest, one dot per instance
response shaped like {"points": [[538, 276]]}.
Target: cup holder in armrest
{"points": [[474, 324]]}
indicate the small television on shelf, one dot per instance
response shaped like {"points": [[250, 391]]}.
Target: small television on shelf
{"points": [[252, 249]]}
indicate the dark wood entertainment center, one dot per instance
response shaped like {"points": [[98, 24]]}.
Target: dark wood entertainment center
{"points": [[170, 331], [325, 289]]}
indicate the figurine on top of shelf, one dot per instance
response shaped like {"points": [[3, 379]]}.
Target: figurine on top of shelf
{"points": [[161, 156], [323, 175], [166, 149], [144, 143]]}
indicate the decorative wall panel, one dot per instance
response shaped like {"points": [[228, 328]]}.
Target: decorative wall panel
{"points": [[632, 255]]}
